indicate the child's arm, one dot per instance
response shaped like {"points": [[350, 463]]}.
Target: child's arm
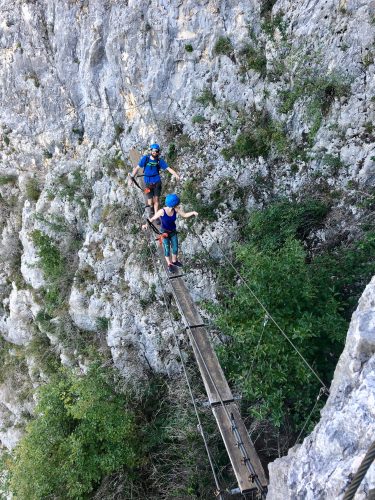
{"points": [[158, 214], [185, 215]]}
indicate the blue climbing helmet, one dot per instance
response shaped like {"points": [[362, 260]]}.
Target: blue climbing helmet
{"points": [[154, 146], [172, 200]]}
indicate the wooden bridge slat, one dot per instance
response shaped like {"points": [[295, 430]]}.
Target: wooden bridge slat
{"points": [[215, 383], [240, 470]]}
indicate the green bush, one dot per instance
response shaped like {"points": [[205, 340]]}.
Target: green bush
{"points": [[79, 132], [259, 137], [8, 179], [251, 58], [223, 46], [206, 97], [318, 92], [198, 119], [311, 298], [119, 129], [189, 47], [52, 262], [171, 153], [32, 189], [82, 432], [273, 23], [190, 196], [334, 163]]}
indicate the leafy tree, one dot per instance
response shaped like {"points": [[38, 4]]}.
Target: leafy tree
{"points": [[311, 299], [82, 432]]}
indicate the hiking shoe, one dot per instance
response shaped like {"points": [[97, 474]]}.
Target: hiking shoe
{"points": [[177, 264], [170, 268]]}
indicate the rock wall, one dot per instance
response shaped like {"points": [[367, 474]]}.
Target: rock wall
{"points": [[322, 466], [170, 77]]}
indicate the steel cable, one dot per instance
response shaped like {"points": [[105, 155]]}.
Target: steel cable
{"points": [[360, 474], [263, 307]]}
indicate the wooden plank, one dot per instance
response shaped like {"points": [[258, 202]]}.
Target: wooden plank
{"points": [[215, 383], [178, 271], [237, 453], [188, 310]]}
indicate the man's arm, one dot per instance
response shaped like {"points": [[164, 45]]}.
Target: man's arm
{"points": [[173, 172]]}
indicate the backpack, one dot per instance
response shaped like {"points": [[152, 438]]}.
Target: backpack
{"points": [[157, 166]]}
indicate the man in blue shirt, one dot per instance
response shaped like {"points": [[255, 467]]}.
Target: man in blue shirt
{"points": [[151, 165]]}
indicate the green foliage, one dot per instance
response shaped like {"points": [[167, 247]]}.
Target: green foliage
{"points": [[273, 23], [51, 260], [198, 119], [8, 179], [32, 189], [47, 154], [119, 129], [79, 132], [102, 323], [75, 187], [368, 59], [266, 7], [114, 163], [282, 220], [261, 134], [318, 91], [206, 97], [223, 46], [334, 163], [350, 267], [82, 432], [171, 153], [189, 47], [251, 58], [310, 298], [191, 197], [12, 360]]}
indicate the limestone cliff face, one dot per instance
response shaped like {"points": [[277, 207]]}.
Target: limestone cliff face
{"points": [[171, 76], [322, 465]]}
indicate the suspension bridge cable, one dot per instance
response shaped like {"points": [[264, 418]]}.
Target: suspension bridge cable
{"points": [[321, 391], [264, 308], [310, 414]]}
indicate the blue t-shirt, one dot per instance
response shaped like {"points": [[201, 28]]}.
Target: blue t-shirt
{"points": [[150, 168]]}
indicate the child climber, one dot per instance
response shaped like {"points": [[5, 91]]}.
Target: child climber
{"points": [[167, 217]]}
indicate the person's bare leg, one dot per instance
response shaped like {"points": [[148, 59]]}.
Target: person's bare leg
{"points": [[156, 203], [174, 258]]}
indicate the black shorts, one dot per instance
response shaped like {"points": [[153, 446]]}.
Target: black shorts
{"points": [[155, 190]]}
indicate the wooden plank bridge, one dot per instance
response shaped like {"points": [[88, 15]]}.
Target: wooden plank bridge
{"points": [[241, 451]]}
